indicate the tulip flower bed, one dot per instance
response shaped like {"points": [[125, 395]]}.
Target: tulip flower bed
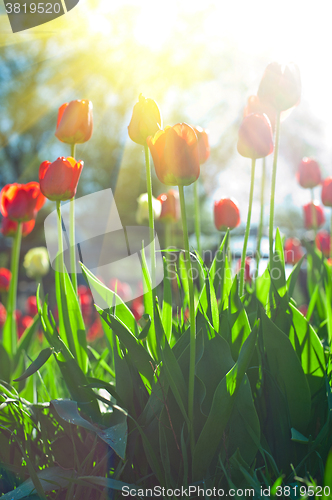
{"points": [[208, 386]]}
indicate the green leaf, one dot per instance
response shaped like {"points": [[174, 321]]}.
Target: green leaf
{"points": [[287, 371], [222, 405], [5, 365], [108, 296], [167, 301], [37, 364], [173, 371], [217, 270], [292, 278], [238, 320], [52, 478], [328, 475], [309, 349], [115, 436], [139, 356]]}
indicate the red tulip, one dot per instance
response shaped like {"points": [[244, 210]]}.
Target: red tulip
{"points": [[203, 144], [308, 174], [21, 202], [280, 86], [122, 289], [323, 242], [309, 208], [3, 315], [170, 206], [75, 122], [31, 306], [137, 308], [5, 277], [256, 106], [9, 227], [247, 274], [226, 214], [293, 251], [175, 155], [58, 180], [327, 192], [95, 331], [255, 137], [23, 324], [146, 120]]}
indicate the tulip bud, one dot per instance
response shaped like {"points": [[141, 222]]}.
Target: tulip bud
{"points": [[327, 192], [31, 306], [5, 277], [142, 212], [137, 308], [258, 107], [281, 86], [75, 122], [9, 227], [323, 242], [203, 144], [247, 274], [175, 155], [21, 202], [36, 262], [226, 214], [309, 209], [146, 120], [308, 174], [293, 251], [23, 324], [3, 315], [255, 137], [58, 180], [170, 206]]}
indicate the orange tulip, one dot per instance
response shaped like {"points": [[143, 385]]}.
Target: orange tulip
{"points": [[21, 202], [175, 155], [75, 122], [281, 86], [58, 180], [203, 144], [255, 137], [146, 120]]}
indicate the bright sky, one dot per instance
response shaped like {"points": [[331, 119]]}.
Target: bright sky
{"points": [[288, 30]]}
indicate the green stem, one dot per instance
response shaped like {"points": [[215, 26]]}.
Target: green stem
{"points": [[10, 327], [72, 235], [60, 263], [313, 213], [273, 186], [331, 236], [168, 234], [261, 218], [197, 218], [192, 320], [151, 220], [246, 235]]}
